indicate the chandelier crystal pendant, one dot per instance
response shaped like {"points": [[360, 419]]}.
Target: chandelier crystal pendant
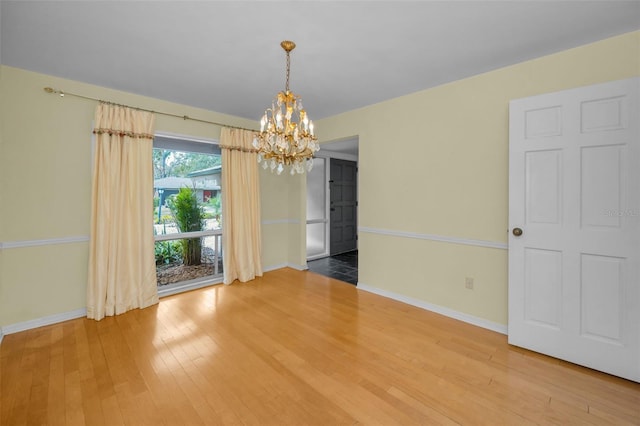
{"points": [[286, 135]]}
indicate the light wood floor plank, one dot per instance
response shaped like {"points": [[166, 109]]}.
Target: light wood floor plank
{"points": [[294, 348]]}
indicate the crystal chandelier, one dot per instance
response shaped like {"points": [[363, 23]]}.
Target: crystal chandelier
{"points": [[286, 135]]}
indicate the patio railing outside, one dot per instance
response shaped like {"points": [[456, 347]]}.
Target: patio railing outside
{"points": [[170, 268]]}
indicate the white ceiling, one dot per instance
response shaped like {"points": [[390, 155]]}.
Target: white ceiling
{"points": [[226, 56]]}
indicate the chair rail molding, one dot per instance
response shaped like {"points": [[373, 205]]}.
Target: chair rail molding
{"points": [[4, 245], [433, 237]]}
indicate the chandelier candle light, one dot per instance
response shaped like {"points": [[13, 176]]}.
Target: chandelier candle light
{"points": [[286, 135]]}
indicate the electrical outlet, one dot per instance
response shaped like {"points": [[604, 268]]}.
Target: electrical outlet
{"points": [[468, 283]]}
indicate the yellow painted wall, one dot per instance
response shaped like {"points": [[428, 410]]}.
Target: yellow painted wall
{"points": [[298, 214], [436, 162], [277, 216], [45, 184], [2, 224]]}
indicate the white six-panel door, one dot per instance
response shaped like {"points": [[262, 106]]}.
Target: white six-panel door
{"points": [[574, 192]]}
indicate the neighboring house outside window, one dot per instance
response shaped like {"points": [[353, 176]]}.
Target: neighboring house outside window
{"points": [[196, 166]]}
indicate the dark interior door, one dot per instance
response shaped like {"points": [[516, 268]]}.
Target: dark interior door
{"points": [[343, 208]]}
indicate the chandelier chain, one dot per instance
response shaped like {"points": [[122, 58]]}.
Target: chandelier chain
{"points": [[288, 66]]}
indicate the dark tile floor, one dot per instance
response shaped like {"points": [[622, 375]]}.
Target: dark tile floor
{"points": [[342, 267]]}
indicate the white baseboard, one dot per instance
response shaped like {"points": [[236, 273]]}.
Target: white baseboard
{"points": [[40, 322], [274, 267], [470, 319], [82, 312], [285, 265], [298, 267]]}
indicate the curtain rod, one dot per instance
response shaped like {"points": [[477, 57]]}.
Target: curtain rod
{"points": [[168, 114]]}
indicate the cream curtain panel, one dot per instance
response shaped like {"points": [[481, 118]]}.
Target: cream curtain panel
{"points": [[122, 273], [241, 232]]}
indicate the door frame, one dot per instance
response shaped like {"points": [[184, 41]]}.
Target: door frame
{"points": [[326, 153]]}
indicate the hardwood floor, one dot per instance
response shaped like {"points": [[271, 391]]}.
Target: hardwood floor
{"points": [[293, 348]]}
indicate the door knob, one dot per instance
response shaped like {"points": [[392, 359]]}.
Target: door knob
{"points": [[517, 232]]}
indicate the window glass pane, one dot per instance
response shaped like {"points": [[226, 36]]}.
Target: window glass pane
{"points": [[187, 259], [316, 190], [316, 242], [186, 199], [175, 169]]}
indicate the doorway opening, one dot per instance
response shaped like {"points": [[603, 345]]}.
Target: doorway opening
{"points": [[343, 267], [332, 203]]}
